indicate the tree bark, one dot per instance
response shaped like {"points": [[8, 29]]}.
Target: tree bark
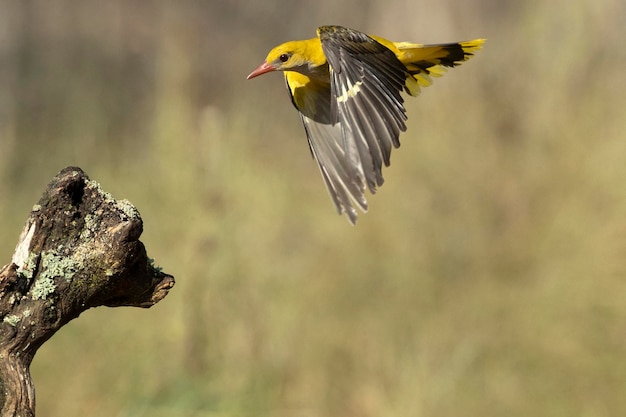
{"points": [[79, 249]]}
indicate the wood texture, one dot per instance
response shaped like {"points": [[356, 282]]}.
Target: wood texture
{"points": [[79, 249]]}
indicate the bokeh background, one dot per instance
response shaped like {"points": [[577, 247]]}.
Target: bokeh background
{"points": [[488, 278]]}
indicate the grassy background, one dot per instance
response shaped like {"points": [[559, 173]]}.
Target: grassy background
{"points": [[488, 279]]}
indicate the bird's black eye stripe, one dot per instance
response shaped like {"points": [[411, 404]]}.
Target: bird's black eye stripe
{"points": [[284, 57]]}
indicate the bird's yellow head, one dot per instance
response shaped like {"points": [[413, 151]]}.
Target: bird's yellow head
{"points": [[300, 56]]}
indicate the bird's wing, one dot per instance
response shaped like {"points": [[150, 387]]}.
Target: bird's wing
{"points": [[342, 176], [366, 81], [342, 179]]}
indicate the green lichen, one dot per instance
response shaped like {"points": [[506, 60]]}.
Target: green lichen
{"points": [[90, 224], [11, 319], [54, 266], [93, 185], [128, 209], [42, 288], [152, 264], [28, 269]]}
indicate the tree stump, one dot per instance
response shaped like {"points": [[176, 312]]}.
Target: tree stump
{"points": [[79, 249]]}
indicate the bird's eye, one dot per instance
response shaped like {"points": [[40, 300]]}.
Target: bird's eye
{"points": [[284, 58]]}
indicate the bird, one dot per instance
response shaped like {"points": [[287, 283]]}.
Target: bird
{"points": [[348, 89]]}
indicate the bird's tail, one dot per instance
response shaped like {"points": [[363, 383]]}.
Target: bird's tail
{"points": [[426, 61]]}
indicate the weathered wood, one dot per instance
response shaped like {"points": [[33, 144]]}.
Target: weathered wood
{"points": [[79, 249]]}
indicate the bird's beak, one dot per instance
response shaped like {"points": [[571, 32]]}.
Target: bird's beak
{"points": [[260, 70]]}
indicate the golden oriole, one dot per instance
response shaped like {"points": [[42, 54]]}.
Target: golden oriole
{"points": [[347, 87]]}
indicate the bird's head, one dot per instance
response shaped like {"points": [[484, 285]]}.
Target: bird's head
{"points": [[289, 56]]}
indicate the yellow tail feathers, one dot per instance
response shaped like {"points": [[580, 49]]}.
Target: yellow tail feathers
{"points": [[427, 61]]}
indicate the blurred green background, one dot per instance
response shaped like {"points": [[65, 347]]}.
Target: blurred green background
{"points": [[488, 279]]}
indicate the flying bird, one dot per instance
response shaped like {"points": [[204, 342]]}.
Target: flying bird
{"points": [[347, 87]]}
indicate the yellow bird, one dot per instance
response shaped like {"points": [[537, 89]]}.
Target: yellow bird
{"points": [[347, 87]]}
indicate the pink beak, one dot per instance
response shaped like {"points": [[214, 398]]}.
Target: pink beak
{"points": [[260, 70]]}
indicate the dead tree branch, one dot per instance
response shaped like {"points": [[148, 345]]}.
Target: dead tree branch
{"points": [[79, 249]]}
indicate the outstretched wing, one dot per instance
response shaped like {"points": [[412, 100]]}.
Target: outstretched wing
{"points": [[366, 81], [342, 176], [342, 179]]}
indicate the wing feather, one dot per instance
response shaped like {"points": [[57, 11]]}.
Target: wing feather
{"points": [[344, 178], [367, 80]]}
